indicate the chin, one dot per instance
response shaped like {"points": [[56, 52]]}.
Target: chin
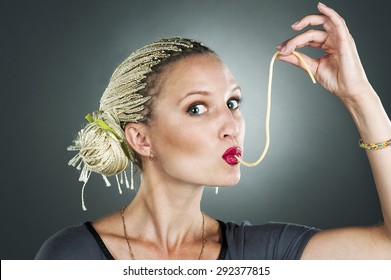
{"points": [[231, 179]]}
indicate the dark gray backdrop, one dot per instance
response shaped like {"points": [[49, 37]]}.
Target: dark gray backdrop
{"points": [[57, 57]]}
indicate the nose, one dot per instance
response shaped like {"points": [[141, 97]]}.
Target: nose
{"points": [[231, 124]]}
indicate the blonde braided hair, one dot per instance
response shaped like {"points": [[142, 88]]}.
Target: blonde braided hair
{"points": [[101, 144]]}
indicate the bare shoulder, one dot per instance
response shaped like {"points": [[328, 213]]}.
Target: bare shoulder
{"points": [[111, 232], [108, 225], [213, 238], [214, 231]]}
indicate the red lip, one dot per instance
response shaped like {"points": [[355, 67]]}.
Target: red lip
{"points": [[230, 153]]}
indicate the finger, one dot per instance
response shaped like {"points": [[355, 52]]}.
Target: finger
{"points": [[312, 20], [315, 45], [294, 60], [312, 38], [334, 22]]}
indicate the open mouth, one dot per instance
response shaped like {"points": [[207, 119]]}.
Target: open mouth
{"points": [[230, 153]]}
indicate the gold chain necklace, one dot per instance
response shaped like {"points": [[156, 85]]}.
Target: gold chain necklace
{"points": [[130, 247]]}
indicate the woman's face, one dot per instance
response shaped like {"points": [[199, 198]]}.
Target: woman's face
{"points": [[197, 127]]}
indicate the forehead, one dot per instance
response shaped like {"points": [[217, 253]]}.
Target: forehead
{"points": [[196, 73]]}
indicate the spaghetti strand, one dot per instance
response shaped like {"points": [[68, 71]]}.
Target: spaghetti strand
{"points": [[268, 106]]}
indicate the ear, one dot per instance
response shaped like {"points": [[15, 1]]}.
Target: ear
{"points": [[137, 136]]}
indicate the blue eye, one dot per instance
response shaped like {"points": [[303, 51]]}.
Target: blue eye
{"points": [[234, 103], [195, 110]]}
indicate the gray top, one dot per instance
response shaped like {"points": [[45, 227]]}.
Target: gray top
{"points": [[278, 241]]}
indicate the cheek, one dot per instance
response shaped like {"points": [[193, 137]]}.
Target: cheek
{"points": [[177, 141]]}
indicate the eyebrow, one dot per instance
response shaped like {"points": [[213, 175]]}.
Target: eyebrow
{"points": [[205, 93]]}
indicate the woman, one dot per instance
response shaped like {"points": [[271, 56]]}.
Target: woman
{"points": [[172, 108]]}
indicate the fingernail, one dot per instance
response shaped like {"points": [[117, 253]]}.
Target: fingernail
{"points": [[296, 23], [283, 50], [320, 3], [279, 47]]}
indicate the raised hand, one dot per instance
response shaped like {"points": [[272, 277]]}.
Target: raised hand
{"points": [[339, 70]]}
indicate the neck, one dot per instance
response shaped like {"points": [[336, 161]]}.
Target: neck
{"points": [[167, 211]]}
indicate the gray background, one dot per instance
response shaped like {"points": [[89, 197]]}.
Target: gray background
{"points": [[57, 57]]}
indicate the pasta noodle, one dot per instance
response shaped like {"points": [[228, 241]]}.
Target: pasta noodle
{"points": [[268, 105]]}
